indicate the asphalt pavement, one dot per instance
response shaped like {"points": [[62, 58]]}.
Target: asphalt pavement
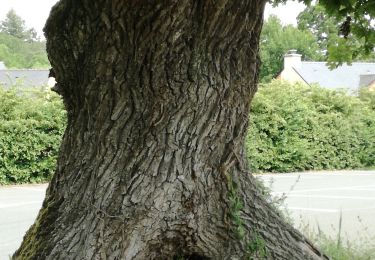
{"points": [[321, 200], [315, 201], [19, 206]]}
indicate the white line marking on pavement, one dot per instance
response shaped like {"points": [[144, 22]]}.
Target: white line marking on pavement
{"points": [[363, 189], [13, 205], [314, 209], [30, 189], [330, 197], [359, 209], [304, 175], [276, 177], [327, 189], [328, 210]]}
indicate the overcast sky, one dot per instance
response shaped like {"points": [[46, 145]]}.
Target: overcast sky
{"points": [[35, 12]]}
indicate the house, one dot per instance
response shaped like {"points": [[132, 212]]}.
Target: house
{"points": [[24, 78], [346, 77]]}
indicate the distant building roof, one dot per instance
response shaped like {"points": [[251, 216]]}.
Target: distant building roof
{"points": [[2, 65], [28, 78], [345, 77], [349, 77], [366, 80]]}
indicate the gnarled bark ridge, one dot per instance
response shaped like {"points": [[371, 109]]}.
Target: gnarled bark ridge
{"points": [[152, 162]]}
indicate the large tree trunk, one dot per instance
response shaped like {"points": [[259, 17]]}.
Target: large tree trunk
{"points": [[152, 163]]}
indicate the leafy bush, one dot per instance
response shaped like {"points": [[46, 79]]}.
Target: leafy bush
{"points": [[297, 127], [31, 126], [368, 96], [292, 128]]}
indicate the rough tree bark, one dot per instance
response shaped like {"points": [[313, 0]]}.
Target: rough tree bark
{"points": [[152, 162]]}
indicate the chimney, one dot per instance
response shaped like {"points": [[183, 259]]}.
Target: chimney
{"points": [[292, 59]]}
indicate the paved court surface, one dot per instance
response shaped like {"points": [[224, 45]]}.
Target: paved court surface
{"points": [[19, 206], [316, 199], [319, 199]]}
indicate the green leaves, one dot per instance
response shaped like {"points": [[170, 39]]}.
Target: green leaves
{"points": [[17, 53], [351, 19], [276, 40], [339, 52], [15, 26], [356, 23], [31, 126], [297, 127], [342, 39], [21, 47]]}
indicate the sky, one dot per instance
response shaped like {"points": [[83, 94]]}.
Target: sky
{"points": [[35, 12], [287, 13]]}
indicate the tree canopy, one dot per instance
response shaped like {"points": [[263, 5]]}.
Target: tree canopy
{"points": [[314, 19], [319, 36], [325, 29], [20, 54], [356, 19], [14, 25]]}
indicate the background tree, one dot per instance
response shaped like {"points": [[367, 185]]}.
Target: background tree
{"points": [[21, 47], [14, 25], [325, 29], [152, 163], [32, 35], [315, 19], [277, 39], [21, 54], [357, 21], [356, 17]]}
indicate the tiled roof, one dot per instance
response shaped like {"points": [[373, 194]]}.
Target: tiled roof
{"points": [[346, 77], [27, 78]]}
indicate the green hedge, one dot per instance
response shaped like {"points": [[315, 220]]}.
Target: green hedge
{"points": [[292, 128], [31, 126], [297, 128]]}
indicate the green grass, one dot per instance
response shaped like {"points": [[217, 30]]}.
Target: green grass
{"points": [[338, 248]]}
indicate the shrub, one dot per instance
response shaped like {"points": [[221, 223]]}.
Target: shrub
{"points": [[295, 127], [292, 128], [31, 126], [368, 96]]}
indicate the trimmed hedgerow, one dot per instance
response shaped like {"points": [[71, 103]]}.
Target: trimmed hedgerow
{"points": [[31, 127], [295, 128], [292, 128]]}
